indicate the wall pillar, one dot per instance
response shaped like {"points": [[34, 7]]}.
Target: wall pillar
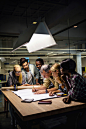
{"points": [[77, 59], [0, 66]]}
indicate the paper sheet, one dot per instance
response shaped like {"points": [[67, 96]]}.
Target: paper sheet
{"points": [[28, 94]]}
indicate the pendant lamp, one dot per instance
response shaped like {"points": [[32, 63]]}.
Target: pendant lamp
{"points": [[40, 39], [36, 38]]}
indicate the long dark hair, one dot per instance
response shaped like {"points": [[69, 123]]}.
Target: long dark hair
{"points": [[68, 64]]}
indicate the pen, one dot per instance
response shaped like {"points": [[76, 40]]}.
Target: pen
{"points": [[34, 88]]}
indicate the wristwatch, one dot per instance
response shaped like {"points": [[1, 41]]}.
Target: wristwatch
{"points": [[46, 91]]}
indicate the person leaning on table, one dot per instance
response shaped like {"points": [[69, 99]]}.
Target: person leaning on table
{"points": [[16, 77], [55, 69], [75, 83], [49, 82], [30, 72]]}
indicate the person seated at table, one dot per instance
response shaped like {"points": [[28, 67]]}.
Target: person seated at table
{"points": [[30, 72], [49, 82], [16, 77], [55, 69], [75, 83], [39, 62]]}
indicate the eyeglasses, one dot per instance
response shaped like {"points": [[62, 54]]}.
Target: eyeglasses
{"points": [[17, 71]]}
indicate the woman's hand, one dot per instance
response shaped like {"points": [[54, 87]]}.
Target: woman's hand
{"points": [[67, 100]]}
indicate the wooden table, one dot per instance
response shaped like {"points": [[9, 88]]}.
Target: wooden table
{"points": [[31, 111]]}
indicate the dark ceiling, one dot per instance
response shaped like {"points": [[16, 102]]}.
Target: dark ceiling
{"points": [[59, 15]]}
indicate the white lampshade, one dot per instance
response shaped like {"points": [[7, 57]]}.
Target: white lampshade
{"points": [[42, 38], [24, 37]]}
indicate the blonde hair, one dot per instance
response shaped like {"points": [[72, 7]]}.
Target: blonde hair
{"points": [[55, 67], [16, 66], [20, 76]]}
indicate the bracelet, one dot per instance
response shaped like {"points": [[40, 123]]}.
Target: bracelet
{"points": [[46, 91]]}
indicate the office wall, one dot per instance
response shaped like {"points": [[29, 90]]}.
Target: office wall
{"points": [[4, 68], [84, 62], [0, 66]]}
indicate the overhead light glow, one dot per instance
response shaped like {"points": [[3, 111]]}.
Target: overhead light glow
{"points": [[34, 22], [41, 38], [39, 41], [32, 36], [75, 26]]}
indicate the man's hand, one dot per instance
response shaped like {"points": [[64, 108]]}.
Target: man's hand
{"points": [[40, 92], [26, 85], [34, 89], [51, 93], [67, 100], [37, 83]]}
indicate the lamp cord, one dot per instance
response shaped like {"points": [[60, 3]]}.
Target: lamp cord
{"points": [[26, 15], [68, 38]]}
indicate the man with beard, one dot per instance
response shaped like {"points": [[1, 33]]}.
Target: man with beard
{"points": [[49, 83], [30, 72]]}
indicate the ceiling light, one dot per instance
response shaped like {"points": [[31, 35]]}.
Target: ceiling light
{"points": [[75, 26], [41, 38], [34, 22]]}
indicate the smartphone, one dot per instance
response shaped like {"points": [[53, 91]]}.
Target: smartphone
{"points": [[27, 100], [44, 102]]}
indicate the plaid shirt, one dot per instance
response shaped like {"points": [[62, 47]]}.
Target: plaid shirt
{"points": [[77, 84]]}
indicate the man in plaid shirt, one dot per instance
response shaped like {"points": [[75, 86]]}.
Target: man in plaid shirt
{"points": [[76, 84]]}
